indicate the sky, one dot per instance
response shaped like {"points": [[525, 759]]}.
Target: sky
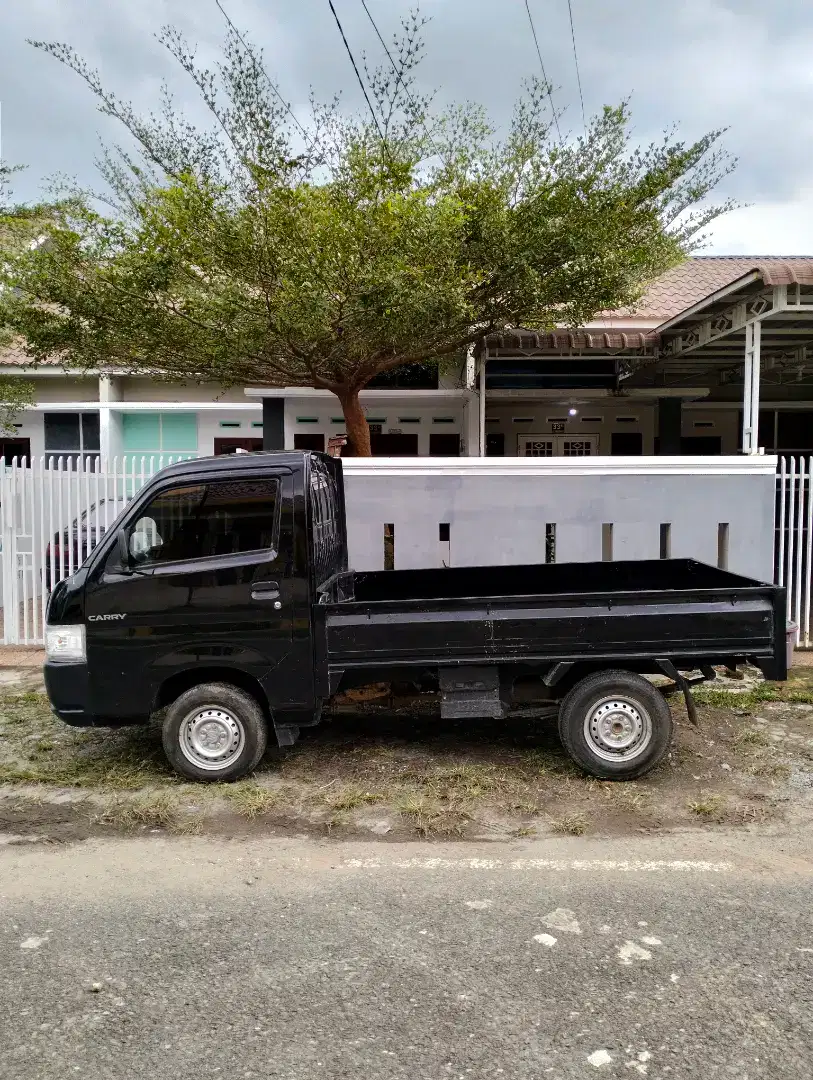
{"points": [[697, 64]]}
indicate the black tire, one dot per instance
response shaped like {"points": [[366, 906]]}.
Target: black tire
{"points": [[640, 708], [235, 722]]}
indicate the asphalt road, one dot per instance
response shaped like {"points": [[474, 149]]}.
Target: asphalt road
{"points": [[679, 957]]}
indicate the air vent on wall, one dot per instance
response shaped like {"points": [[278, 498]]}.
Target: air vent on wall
{"points": [[704, 423], [626, 419]]}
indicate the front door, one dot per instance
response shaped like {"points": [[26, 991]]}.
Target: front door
{"points": [[557, 445], [444, 445], [212, 587], [309, 440], [386, 445], [15, 448]]}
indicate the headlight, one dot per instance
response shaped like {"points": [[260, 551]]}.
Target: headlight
{"points": [[65, 643]]}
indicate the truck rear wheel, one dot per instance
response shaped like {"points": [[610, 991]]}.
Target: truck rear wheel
{"points": [[214, 732], [615, 725]]}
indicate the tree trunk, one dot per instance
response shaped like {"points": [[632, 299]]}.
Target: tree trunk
{"points": [[358, 431]]}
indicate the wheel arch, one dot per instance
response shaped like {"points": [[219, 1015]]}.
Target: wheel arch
{"points": [[181, 681], [575, 673]]}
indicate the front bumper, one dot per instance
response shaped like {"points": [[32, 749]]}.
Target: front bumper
{"points": [[68, 689]]}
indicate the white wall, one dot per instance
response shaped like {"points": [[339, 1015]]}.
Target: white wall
{"points": [[498, 509], [30, 425], [209, 427], [139, 389], [56, 388], [724, 422]]}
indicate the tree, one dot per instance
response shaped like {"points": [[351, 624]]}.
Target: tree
{"points": [[264, 250], [18, 225]]}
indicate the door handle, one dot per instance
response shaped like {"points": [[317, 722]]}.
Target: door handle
{"points": [[266, 590]]}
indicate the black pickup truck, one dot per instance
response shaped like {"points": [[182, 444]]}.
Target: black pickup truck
{"points": [[223, 595]]}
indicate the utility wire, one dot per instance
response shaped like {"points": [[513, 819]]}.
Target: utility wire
{"points": [[242, 41], [576, 60], [387, 51], [358, 75], [398, 75], [544, 75]]}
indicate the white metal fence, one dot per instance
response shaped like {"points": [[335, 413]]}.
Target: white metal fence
{"points": [[794, 539], [53, 512]]}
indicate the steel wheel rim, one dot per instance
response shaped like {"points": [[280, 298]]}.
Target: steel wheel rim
{"points": [[618, 728], [211, 738]]}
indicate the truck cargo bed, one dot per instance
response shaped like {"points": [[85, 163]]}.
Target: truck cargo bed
{"points": [[543, 578], [603, 612]]}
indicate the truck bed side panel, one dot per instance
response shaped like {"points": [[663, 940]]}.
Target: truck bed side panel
{"points": [[672, 624]]}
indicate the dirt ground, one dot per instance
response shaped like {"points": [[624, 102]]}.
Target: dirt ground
{"points": [[392, 768]]}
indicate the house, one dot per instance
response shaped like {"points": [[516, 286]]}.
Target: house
{"points": [[716, 358]]}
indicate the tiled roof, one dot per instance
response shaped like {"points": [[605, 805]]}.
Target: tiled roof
{"points": [[13, 355], [699, 276]]}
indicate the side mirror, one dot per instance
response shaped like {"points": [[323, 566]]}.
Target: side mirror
{"points": [[124, 552]]}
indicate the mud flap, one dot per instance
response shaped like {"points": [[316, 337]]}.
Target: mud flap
{"points": [[287, 734], [668, 668]]}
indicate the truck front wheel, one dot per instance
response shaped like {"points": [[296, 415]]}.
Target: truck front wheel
{"points": [[214, 732], [615, 725]]}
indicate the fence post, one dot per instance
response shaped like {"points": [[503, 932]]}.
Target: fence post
{"points": [[11, 598], [7, 549]]}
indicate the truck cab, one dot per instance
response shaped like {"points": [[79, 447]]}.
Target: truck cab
{"points": [[208, 576]]}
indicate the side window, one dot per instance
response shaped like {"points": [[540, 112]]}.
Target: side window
{"points": [[226, 517]]}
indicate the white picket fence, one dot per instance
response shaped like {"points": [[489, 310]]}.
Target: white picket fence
{"points": [[53, 512], [794, 540]]}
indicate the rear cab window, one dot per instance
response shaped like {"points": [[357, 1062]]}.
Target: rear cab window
{"points": [[327, 542]]}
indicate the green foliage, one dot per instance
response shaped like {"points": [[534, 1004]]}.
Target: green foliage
{"points": [[15, 395], [19, 227], [266, 251]]}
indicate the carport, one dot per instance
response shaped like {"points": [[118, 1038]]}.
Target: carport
{"points": [[758, 330]]}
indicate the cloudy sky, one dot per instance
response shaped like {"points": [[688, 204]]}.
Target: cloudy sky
{"points": [[700, 64]]}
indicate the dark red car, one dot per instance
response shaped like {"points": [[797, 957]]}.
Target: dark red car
{"points": [[69, 549]]}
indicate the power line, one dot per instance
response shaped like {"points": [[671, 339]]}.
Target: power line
{"points": [[398, 75], [358, 75], [242, 41], [576, 60], [387, 51], [544, 75]]}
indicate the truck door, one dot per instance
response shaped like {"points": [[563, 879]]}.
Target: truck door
{"points": [[211, 585]]}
